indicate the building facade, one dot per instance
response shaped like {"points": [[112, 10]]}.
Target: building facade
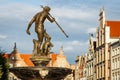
{"points": [[107, 32], [79, 67], [84, 77], [102, 53], [90, 62], [103, 60], [115, 60]]}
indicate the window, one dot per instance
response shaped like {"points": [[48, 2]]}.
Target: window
{"points": [[113, 64], [113, 76], [118, 50], [118, 58], [113, 53], [113, 60], [12, 58], [118, 75]]}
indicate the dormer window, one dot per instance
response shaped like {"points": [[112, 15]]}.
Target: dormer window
{"points": [[12, 58]]}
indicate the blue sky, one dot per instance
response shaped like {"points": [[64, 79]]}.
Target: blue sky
{"points": [[78, 18]]}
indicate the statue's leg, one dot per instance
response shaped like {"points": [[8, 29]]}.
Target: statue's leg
{"points": [[38, 47], [35, 47], [43, 48], [40, 41], [47, 36]]}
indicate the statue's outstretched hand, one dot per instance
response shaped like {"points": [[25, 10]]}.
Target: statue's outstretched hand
{"points": [[28, 32], [53, 19]]}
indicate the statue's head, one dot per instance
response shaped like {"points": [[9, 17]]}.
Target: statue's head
{"points": [[46, 8]]}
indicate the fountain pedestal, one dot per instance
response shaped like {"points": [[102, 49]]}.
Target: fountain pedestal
{"points": [[41, 61]]}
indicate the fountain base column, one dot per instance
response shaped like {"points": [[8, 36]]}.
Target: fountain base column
{"points": [[40, 61]]}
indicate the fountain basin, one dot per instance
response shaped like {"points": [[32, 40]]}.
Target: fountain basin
{"points": [[40, 73]]}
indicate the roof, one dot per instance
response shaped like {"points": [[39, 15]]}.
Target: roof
{"points": [[114, 28], [54, 57], [25, 57], [7, 55]]}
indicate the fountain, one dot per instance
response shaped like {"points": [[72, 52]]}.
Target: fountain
{"points": [[41, 50]]}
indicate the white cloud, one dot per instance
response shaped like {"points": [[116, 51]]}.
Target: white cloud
{"points": [[80, 13], [91, 30], [3, 36], [76, 43], [76, 20], [17, 10], [68, 48], [20, 11], [71, 46]]}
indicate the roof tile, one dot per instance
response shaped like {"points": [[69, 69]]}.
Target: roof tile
{"points": [[114, 28]]}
